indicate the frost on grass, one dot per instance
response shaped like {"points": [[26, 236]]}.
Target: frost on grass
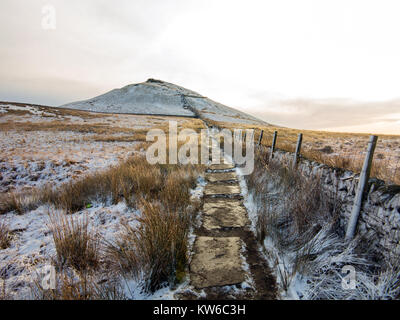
{"points": [[102, 213], [42, 145], [297, 224], [100, 191]]}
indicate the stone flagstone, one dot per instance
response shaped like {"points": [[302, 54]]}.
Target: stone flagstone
{"points": [[224, 189], [221, 176], [223, 213], [216, 262], [222, 166]]}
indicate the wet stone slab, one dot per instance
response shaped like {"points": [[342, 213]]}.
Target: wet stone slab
{"points": [[216, 262], [223, 213], [227, 190], [221, 176], [221, 166]]}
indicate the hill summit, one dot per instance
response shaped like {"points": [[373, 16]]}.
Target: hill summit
{"points": [[156, 97]]}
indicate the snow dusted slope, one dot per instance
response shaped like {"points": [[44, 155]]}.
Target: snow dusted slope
{"points": [[143, 98], [161, 98]]}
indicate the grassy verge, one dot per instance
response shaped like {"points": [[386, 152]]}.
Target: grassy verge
{"points": [[153, 251], [296, 221]]}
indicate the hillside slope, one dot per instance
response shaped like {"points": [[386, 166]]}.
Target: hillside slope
{"points": [[161, 98]]}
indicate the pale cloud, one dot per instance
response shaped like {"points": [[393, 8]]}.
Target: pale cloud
{"points": [[241, 53], [333, 114]]}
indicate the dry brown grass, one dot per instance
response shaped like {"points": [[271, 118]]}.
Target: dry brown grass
{"points": [[157, 246], [346, 154], [194, 124], [175, 195], [306, 205], [67, 288], [19, 202], [5, 236], [76, 243], [10, 202], [137, 136], [82, 286], [60, 125], [129, 181], [77, 286]]}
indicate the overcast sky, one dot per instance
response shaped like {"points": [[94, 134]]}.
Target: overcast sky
{"points": [[306, 64]]}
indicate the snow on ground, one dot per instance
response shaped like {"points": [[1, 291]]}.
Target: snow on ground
{"points": [[197, 194], [5, 108], [32, 247], [39, 147], [298, 276], [279, 269], [212, 110], [29, 160]]}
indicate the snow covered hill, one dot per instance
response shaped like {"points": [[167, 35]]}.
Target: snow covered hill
{"points": [[157, 97]]}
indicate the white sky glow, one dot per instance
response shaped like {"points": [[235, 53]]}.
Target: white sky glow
{"points": [[258, 56]]}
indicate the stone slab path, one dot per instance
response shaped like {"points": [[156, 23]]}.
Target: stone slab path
{"points": [[226, 263], [221, 166], [217, 262], [221, 176], [223, 190], [220, 214]]}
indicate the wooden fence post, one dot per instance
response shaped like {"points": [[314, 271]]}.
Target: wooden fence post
{"points": [[273, 144], [297, 152], [362, 183], [260, 137]]}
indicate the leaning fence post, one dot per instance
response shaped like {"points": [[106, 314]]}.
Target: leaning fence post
{"points": [[273, 144], [260, 137], [298, 148], [362, 183]]}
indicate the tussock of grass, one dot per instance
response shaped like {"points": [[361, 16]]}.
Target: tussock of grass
{"points": [[304, 204], [79, 286], [298, 225], [129, 181], [76, 243], [175, 194], [154, 250], [68, 287], [10, 202], [19, 202], [157, 246], [5, 237]]}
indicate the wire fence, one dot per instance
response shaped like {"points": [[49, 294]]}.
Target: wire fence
{"points": [[386, 158]]}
